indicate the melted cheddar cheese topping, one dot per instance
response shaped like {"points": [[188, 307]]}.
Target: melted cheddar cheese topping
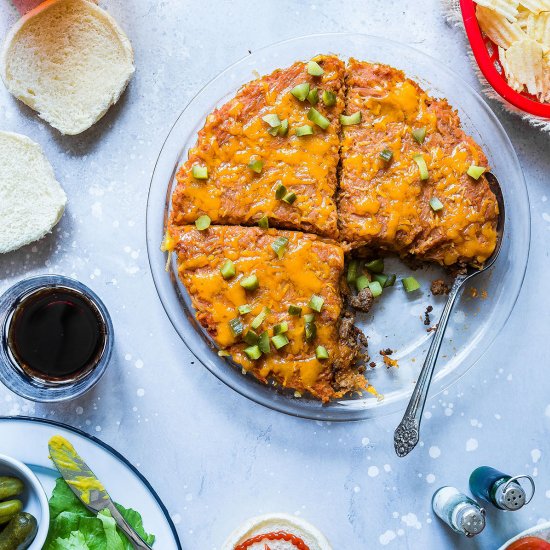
{"points": [[236, 134], [381, 205], [309, 266], [386, 204]]}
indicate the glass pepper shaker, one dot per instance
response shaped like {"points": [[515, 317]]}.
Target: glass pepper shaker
{"points": [[462, 514], [501, 490]]}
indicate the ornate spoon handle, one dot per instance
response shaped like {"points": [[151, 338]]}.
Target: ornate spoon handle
{"points": [[407, 433]]}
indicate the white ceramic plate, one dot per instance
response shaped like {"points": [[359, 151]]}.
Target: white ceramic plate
{"points": [[27, 440], [541, 531]]}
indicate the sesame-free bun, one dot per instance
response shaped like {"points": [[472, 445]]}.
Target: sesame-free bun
{"points": [[31, 200], [269, 523], [69, 61]]}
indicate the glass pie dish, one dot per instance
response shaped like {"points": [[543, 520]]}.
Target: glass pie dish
{"points": [[396, 321]]}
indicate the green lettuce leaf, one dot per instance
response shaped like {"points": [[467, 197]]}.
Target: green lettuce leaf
{"points": [[114, 542], [134, 519], [74, 527], [75, 542], [68, 524]]}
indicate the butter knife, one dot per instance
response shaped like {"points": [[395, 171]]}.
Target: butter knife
{"points": [[87, 488]]}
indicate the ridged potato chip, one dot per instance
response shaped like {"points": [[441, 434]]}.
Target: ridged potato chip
{"points": [[497, 27], [536, 6], [545, 95], [508, 8], [522, 17], [512, 82], [523, 65], [538, 28]]}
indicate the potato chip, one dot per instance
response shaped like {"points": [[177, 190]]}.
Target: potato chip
{"points": [[522, 17], [545, 94], [538, 28], [536, 6], [522, 64], [512, 82], [508, 8], [497, 27]]}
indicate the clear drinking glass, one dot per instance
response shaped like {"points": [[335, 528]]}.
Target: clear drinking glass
{"points": [[36, 388]]}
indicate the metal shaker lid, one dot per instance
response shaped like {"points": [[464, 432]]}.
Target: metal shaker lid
{"points": [[511, 495], [471, 520]]}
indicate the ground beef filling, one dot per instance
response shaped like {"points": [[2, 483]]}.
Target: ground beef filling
{"points": [[362, 301], [353, 338], [439, 287]]}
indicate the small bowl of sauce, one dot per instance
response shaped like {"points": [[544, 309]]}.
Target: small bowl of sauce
{"points": [[56, 338]]}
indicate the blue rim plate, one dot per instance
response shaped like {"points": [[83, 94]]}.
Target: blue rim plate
{"points": [[26, 438]]}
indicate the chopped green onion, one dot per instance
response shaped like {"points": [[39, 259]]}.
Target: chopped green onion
{"points": [[273, 131], [316, 303], [419, 135], [263, 222], [280, 192], [313, 96], [283, 128], [362, 282], [256, 165], [253, 352], [321, 352], [351, 275], [316, 117], [290, 197], [223, 353], [350, 120], [263, 342], [436, 204], [419, 159], [236, 326], [329, 98], [280, 328], [260, 318], [279, 246], [250, 283], [200, 172], [272, 120], [202, 222], [386, 155], [376, 266], [475, 171], [228, 269], [251, 338], [310, 330], [305, 130], [381, 278], [314, 69], [375, 288], [390, 281], [244, 309], [300, 92], [410, 284], [309, 317], [295, 310], [279, 341]]}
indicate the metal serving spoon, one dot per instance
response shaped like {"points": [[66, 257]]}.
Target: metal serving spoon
{"points": [[407, 433]]}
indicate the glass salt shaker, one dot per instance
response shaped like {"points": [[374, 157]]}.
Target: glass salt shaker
{"points": [[462, 514]]}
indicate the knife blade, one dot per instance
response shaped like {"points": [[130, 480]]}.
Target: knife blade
{"points": [[87, 487]]}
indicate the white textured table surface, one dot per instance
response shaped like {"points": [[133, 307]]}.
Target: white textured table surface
{"points": [[214, 457]]}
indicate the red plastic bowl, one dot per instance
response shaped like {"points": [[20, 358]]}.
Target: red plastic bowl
{"points": [[486, 55]]}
